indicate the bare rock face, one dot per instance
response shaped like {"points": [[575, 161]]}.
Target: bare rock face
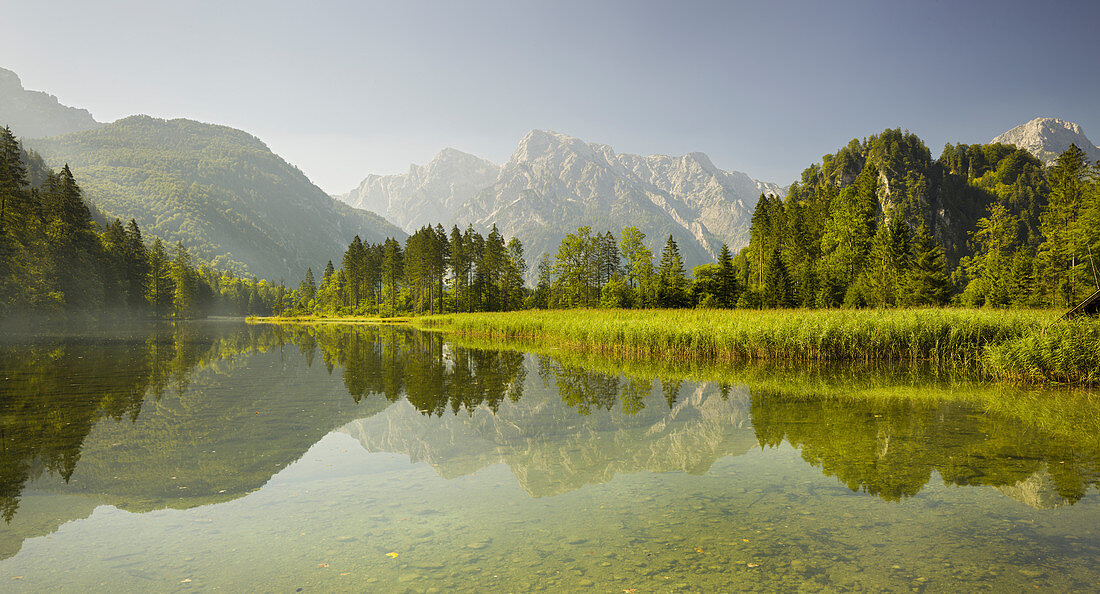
{"points": [[1046, 138], [34, 114], [427, 194], [554, 183], [1037, 491]]}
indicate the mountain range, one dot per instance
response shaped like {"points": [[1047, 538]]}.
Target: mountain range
{"points": [[235, 203], [555, 183], [220, 191]]}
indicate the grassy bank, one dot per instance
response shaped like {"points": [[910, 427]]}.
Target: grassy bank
{"points": [[1029, 346]]}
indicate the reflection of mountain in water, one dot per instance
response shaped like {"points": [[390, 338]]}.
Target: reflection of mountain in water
{"points": [[1038, 490], [194, 414], [551, 449]]}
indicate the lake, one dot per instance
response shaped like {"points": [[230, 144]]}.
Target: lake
{"points": [[284, 458]]}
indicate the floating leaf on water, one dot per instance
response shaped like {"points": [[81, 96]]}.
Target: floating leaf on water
{"points": [[391, 554], [754, 565], [698, 550], [185, 580], [322, 565]]}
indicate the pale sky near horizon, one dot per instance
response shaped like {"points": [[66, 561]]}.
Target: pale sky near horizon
{"points": [[343, 89]]}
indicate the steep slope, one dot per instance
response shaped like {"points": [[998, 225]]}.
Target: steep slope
{"points": [[219, 190], [554, 183], [418, 197], [1046, 138], [33, 113]]}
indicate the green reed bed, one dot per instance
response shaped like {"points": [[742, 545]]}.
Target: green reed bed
{"points": [[1066, 352], [1018, 345], [935, 335]]}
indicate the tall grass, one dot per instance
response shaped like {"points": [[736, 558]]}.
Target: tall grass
{"points": [[1067, 352], [934, 335], [1018, 345]]}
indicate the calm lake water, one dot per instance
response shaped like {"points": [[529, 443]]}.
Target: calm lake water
{"points": [[260, 458]]}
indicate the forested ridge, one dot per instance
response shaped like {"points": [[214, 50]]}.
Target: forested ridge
{"points": [[55, 259], [878, 224], [218, 190]]}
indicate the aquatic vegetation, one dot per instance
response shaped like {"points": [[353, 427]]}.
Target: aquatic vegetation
{"points": [[1018, 345], [1067, 352]]}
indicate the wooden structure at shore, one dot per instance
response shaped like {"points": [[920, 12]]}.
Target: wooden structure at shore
{"points": [[1088, 307]]}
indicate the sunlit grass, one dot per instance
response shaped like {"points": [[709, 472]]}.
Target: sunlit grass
{"points": [[1016, 345]]}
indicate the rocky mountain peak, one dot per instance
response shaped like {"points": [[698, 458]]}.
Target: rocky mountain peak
{"points": [[34, 114], [538, 144], [1046, 138]]}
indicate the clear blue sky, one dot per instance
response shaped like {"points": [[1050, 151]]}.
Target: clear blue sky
{"points": [[343, 89]]}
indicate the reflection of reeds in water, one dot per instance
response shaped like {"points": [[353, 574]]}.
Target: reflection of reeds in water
{"points": [[958, 338]]}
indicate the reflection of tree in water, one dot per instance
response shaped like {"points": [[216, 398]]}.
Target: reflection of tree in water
{"points": [[890, 447], [432, 376], [55, 391], [587, 390]]}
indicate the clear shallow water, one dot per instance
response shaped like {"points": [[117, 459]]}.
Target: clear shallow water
{"points": [[221, 456]]}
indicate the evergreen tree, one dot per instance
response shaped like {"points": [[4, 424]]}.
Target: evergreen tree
{"points": [[990, 270], [728, 288], [776, 291], [182, 270], [515, 269], [136, 263], [1061, 253], [161, 289], [392, 268], [672, 284], [926, 282]]}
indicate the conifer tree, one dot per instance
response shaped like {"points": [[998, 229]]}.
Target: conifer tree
{"points": [[728, 289], [776, 291], [672, 283], [926, 282], [161, 289]]}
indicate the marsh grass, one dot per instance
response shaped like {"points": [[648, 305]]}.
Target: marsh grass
{"points": [[1066, 352], [1029, 346], [929, 335]]}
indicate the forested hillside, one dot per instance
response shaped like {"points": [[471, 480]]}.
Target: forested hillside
{"points": [[55, 260], [219, 191], [866, 223]]}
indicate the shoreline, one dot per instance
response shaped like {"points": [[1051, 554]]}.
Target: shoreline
{"points": [[1015, 346]]}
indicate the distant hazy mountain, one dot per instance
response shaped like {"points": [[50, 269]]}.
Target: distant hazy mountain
{"points": [[219, 190], [555, 183], [1046, 138], [34, 113], [422, 195]]}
